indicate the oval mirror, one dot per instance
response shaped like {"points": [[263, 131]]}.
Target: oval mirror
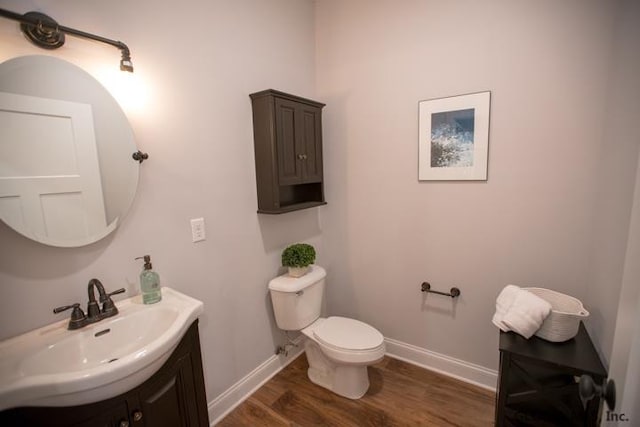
{"points": [[66, 172]]}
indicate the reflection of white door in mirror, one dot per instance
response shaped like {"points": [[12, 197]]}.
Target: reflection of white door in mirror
{"points": [[58, 197]]}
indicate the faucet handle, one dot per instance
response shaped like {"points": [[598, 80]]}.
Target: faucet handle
{"points": [[109, 308], [65, 307], [116, 292], [106, 297], [78, 318]]}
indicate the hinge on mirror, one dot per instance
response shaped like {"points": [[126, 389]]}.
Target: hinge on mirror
{"points": [[139, 156]]}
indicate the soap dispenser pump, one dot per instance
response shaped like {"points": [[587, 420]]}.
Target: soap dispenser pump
{"points": [[149, 283]]}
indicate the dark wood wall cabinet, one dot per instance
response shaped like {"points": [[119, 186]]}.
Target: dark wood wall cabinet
{"points": [[173, 397], [538, 385], [287, 132]]}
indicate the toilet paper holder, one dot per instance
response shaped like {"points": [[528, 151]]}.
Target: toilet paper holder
{"points": [[453, 293]]}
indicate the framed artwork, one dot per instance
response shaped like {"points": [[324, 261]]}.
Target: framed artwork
{"points": [[454, 138]]}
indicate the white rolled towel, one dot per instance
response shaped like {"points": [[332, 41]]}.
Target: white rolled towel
{"points": [[503, 303], [526, 314]]}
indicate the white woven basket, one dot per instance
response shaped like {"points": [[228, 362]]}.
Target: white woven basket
{"points": [[564, 320]]}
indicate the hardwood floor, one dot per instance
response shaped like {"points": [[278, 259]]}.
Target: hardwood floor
{"points": [[400, 394]]}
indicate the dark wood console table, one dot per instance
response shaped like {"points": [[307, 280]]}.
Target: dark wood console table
{"points": [[538, 384]]}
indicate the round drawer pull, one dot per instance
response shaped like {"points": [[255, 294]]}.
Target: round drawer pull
{"points": [[137, 415]]}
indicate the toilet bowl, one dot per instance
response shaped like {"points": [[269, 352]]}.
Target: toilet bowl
{"points": [[338, 349]]}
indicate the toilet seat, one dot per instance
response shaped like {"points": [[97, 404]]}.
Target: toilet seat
{"points": [[347, 340], [343, 333]]}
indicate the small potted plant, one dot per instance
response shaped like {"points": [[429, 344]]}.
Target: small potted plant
{"points": [[298, 257]]}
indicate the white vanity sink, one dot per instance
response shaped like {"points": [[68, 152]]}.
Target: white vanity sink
{"points": [[53, 366]]}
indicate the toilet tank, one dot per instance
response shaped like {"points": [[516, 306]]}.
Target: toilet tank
{"points": [[297, 300]]}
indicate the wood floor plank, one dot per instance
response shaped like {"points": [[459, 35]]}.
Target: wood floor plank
{"points": [[401, 394], [253, 413], [404, 398], [443, 393], [330, 410], [270, 392], [430, 377]]}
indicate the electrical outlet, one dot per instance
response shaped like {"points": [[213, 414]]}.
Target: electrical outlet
{"points": [[197, 230]]}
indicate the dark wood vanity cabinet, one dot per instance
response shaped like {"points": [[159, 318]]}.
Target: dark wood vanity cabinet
{"points": [[176, 396], [173, 397], [287, 132]]}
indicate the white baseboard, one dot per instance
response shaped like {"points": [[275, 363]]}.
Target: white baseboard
{"points": [[221, 406], [446, 365]]}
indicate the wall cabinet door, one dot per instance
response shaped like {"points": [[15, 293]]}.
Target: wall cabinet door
{"points": [[298, 142], [311, 142], [288, 142]]}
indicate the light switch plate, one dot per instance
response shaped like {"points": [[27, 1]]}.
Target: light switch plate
{"points": [[198, 233]]}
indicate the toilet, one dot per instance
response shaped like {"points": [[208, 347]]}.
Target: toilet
{"points": [[338, 349]]}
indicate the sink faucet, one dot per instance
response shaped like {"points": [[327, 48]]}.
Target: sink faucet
{"points": [[94, 313]]}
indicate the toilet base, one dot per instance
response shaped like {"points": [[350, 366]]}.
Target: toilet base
{"points": [[351, 381]]}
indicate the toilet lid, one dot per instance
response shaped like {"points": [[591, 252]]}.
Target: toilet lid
{"points": [[349, 334]]}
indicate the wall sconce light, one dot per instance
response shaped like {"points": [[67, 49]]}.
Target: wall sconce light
{"points": [[45, 32]]}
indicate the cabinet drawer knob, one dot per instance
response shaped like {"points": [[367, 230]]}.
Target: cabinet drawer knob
{"points": [[124, 423], [137, 415]]}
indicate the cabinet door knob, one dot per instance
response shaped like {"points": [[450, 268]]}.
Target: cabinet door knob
{"points": [[137, 415], [124, 423], [300, 156]]}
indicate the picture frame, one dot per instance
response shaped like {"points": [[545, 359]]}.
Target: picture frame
{"points": [[453, 138]]}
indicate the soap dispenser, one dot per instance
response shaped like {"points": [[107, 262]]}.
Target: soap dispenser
{"points": [[149, 283]]}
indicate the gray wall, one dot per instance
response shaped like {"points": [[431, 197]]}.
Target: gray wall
{"points": [[548, 67]]}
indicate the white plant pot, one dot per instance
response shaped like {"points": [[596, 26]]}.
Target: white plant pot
{"points": [[298, 271]]}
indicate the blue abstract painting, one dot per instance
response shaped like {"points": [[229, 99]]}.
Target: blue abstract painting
{"points": [[452, 138]]}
